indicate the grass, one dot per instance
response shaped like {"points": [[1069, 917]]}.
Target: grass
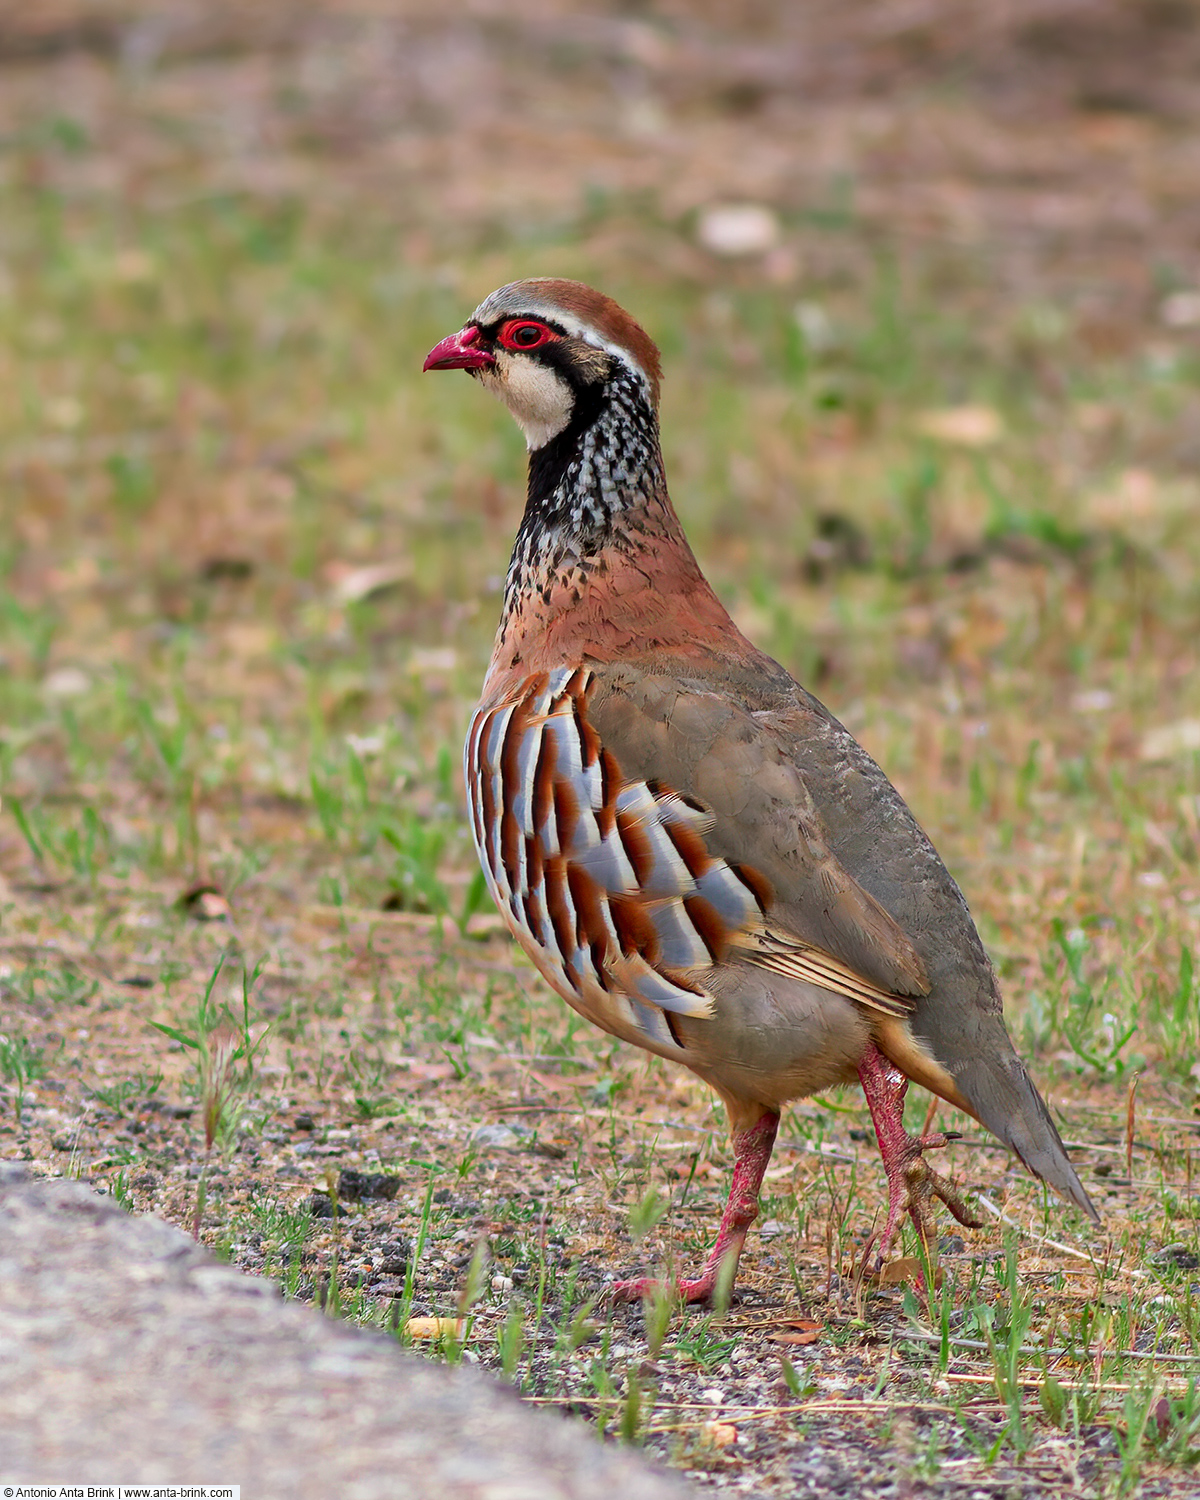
{"points": [[20, 1064], [215, 422]]}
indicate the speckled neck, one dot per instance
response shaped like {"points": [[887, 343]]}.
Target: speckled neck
{"points": [[585, 484]]}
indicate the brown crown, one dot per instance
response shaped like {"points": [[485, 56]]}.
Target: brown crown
{"points": [[609, 319]]}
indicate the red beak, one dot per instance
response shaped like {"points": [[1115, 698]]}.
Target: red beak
{"points": [[457, 353]]}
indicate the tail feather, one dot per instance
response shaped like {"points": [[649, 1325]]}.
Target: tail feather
{"points": [[1003, 1097]]}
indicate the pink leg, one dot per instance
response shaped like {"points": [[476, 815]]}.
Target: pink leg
{"points": [[752, 1151], [912, 1182]]}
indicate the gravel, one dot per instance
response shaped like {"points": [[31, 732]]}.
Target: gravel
{"points": [[128, 1354]]}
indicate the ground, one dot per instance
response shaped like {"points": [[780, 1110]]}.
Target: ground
{"points": [[932, 428]]}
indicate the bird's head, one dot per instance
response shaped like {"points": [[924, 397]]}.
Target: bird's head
{"points": [[548, 349]]}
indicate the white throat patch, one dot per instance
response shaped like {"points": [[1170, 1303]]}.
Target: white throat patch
{"points": [[539, 398]]}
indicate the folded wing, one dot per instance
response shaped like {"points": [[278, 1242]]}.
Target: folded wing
{"points": [[614, 880]]}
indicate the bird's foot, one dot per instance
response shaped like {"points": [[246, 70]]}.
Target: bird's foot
{"points": [[912, 1187], [912, 1183], [685, 1290], [752, 1146]]}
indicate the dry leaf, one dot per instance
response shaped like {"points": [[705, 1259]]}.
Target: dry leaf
{"points": [[66, 682], [206, 904], [247, 640], [434, 1328], [558, 1085], [898, 1271], [968, 426], [800, 1336], [422, 659], [719, 1434], [1170, 740], [1181, 310], [425, 1072], [1135, 498], [738, 229], [353, 585]]}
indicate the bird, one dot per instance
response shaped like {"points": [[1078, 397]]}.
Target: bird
{"points": [[695, 854]]}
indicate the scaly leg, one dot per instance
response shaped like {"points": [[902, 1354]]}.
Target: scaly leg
{"points": [[912, 1182], [752, 1148]]}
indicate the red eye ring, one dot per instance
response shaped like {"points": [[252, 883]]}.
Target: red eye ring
{"points": [[523, 334]]}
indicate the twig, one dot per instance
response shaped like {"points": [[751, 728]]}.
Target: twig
{"points": [[1192, 1124], [1111, 1387], [1130, 1122], [535, 1109], [755, 1413], [1037, 1349], [1041, 1239]]}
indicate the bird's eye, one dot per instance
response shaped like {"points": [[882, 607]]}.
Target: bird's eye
{"points": [[525, 335]]}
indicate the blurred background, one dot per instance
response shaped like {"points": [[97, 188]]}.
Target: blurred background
{"points": [[926, 278]]}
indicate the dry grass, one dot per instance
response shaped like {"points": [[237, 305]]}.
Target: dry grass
{"points": [[937, 449]]}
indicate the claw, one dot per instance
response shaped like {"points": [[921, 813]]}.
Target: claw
{"points": [[912, 1183], [696, 1289]]}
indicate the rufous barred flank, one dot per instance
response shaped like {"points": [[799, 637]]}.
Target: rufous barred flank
{"points": [[691, 849]]}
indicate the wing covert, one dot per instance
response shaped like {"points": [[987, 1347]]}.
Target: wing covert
{"points": [[611, 883]]}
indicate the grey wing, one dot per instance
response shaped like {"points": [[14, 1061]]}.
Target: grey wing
{"points": [[852, 871]]}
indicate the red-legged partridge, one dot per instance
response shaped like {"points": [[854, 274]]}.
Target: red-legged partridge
{"points": [[692, 850]]}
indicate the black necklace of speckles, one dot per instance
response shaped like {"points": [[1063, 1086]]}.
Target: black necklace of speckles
{"points": [[605, 461]]}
